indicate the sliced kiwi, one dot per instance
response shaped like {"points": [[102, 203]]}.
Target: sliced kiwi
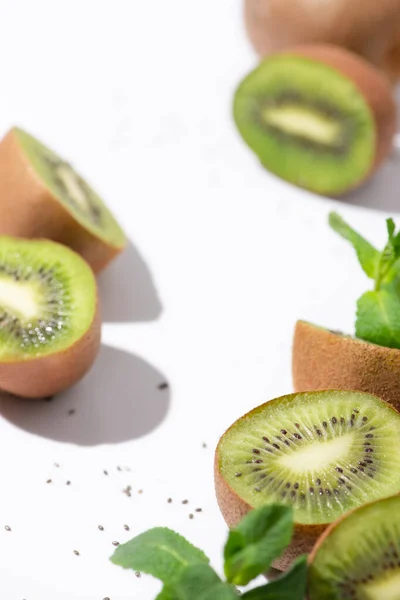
{"points": [[312, 117], [49, 324], [358, 558], [322, 359], [323, 453], [43, 196]]}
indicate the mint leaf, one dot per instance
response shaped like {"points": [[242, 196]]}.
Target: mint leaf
{"points": [[290, 586], [259, 538], [367, 255], [198, 582], [378, 317], [159, 552]]}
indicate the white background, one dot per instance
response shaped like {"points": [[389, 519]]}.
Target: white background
{"points": [[224, 259]]}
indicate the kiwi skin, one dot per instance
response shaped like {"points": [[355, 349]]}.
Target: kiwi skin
{"points": [[323, 360], [48, 375], [371, 84], [29, 209], [370, 29]]}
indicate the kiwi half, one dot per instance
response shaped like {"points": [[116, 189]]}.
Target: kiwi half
{"points": [[317, 116], [323, 359], [323, 453], [358, 558], [49, 317], [42, 196]]}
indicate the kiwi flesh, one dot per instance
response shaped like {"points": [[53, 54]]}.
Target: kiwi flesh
{"points": [[324, 359], [370, 30], [317, 116], [358, 557], [49, 317], [323, 453], [42, 196]]}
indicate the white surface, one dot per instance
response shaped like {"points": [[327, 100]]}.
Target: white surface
{"points": [[138, 94]]}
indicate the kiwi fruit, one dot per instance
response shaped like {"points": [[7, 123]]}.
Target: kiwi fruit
{"points": [[42, 196], [49, 317], [323, 359], [317, 116], [323, 453], [370, 29], [358, 557]]}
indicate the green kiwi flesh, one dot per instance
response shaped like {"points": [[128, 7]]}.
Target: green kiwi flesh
{"points": [[323, 453], [359, 557], [71, 190], [307, 123], [47, 298]]}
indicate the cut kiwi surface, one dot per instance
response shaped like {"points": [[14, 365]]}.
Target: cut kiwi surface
{"points": [[41, 195], [324, 359], [358, 558], [317, 116], [49, 317], [323, 453]]}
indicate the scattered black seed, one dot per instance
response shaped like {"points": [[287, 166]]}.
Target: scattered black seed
{"points": [[185, 501], [256, 469], [262, 476], [297, 436], [311, 491], [369, 461], [126, 527], [284, 431], [297, 425], [137, 573], [369, 435], [56, 465], [76, 552], [365, 419], [339, 470], [199, 509], [127, 491], [258, 461], [7, 528], [353, 470], [296, 486], [266, 439], [370, 475], [163, 386], [363, 464], [115, 543], [367, 444], [293, 493], [68, 483], [318, 481], [324, 424], [256, 451], [257, 489], [334, 420], [170, 499], [288, 485], [105, 472], [101, 527], [368, 449], [342, 420], [356, 410], [106, 598], [361, 469], [71, 411], [49, 481], [287, 442], [238, 474], [204, 445], [349, 487], [341, 480], [276, 446], [336, 491], [191, 516], [119, 468], [319, 432], [321, 492]]}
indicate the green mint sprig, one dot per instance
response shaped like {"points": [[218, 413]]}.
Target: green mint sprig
{"points": [[251, 547], [378, 310]]}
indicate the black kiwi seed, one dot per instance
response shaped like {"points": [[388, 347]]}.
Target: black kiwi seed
{"points": [[266, 439], [297, 425], [365, 419], [256, 451], [334, 420], [297, 436], [276, 446], [339, 469], [369, 435], [288, 484], [296, 486], [311, 490], [318, 481], [319, 432], [258, 461], [238, 474], [284, 431], [324, 424]]}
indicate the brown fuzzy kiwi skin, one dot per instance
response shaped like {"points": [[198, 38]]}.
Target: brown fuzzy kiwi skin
{"points": [[373, 86], [325, 360], [30, 210], [370, 29]]}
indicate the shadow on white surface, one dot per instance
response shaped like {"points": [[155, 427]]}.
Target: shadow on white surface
{"points": [[382, 191], [121, 398], [127, 292]]}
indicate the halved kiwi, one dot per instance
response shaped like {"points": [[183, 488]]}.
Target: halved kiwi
{"points": [[317, 116], [42, 196], [323, 359], [358, 557], [323, 453], [49, 317]]}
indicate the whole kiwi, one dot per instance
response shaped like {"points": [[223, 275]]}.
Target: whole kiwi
{"points": [[370, 29]]}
